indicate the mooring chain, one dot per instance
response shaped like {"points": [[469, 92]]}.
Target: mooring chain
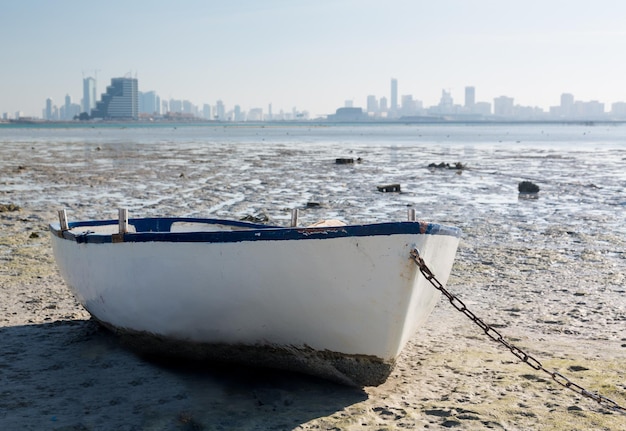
{"points": [[492, 333]]}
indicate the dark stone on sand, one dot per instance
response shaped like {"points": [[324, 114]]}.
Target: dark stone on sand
{"points": [[527, 187], [574, 408], [389, 188], [9, 208], [442, 165], [577, 368], [256, 218]]}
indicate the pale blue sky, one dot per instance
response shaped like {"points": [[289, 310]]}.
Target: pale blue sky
{"points": [[314, 55]]}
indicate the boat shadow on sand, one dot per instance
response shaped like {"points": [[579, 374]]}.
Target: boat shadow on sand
{"points": [[76, 375]]}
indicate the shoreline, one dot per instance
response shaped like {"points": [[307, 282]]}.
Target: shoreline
{"points": [[199, 122]]}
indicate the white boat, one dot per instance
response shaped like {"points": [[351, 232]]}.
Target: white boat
{"points": [[337, 301]]}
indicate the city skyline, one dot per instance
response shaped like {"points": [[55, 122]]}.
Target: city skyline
{"points": [[149, 105], [315, 56]]}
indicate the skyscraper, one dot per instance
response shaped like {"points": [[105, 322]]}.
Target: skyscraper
{"points": [[394, 95], [121, 100], [49, 109], [372, 104], [470, 97], [89, 95], [567, 104], [220, 111], [149, 103]]}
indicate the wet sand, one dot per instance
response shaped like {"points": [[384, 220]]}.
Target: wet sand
{"points": [[59, 370]]}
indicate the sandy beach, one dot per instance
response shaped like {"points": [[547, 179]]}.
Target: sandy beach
{"points": [[60, 371]]}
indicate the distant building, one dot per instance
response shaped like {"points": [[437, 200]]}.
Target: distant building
{"points": [[49, 109], [348, 115], [470, 97], [408, 106], [446, 103], [175, 106], [149, 103], [482, 108], [69, 110], [503, 106], [239, 115], [372, 104], [394, 95], [120, 101], [383, 104], [567, 105], [206, 111], [189, 108], [89, 95], [591, 109], [220, 111], [618, 109], [254, 114]]}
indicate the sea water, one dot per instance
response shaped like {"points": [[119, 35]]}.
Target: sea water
{"points": [[571, 236]]}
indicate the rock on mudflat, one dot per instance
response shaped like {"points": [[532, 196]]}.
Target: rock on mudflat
{"points": [[527, 187], [389, 188]]}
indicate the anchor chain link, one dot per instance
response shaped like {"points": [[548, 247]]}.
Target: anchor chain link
{"points": [[492, 333]]}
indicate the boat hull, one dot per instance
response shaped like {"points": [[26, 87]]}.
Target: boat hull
{"points": [[336, 302]]}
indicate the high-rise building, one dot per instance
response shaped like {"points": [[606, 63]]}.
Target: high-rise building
{"points": [[372, 104], [220, 111], [175, 106], [470, 97], [89, 95], [49, 109], [383, 104], [120, 101], [446, 103], [67, 108], [408, 105], [239, 115], [206, 111], [394, 95], [149, 103], [567, 104]]}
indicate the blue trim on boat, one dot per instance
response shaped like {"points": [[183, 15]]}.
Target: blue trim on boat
{"points": [[158, 230]]}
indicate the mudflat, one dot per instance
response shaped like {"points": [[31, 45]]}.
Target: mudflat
{"points": [[60, 370]]}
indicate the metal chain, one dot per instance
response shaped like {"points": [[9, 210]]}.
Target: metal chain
{"points": [[497, 337]]}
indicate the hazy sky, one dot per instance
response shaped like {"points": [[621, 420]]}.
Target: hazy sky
{"points": [[314, 55]]}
